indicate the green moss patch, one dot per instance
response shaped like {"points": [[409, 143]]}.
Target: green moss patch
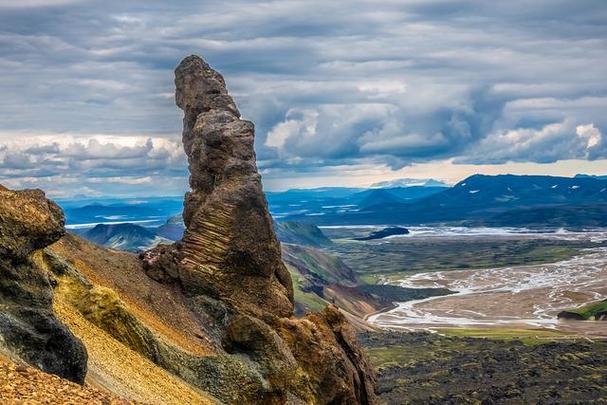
{"points": [[597, 310]]}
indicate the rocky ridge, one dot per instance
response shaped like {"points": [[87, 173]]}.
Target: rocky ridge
{"points": [[28, 327]]}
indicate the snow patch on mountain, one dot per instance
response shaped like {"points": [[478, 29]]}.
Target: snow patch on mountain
{"points": [[406, 182]]}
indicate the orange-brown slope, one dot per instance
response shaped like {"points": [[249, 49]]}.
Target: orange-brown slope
{"points": [[21, 384]]}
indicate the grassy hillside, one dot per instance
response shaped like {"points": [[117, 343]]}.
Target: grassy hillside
{"points": [[301, 234], [597, 311], [320, 278]]}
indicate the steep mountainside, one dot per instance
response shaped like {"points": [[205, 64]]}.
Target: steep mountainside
{"points": [[301, 234], [129, 237], [321, 278], [209, 319], [173, 229]]}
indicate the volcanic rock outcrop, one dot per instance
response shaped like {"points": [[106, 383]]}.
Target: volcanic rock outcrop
{"points": [[28, 327], [229, 249], [229, 262]]}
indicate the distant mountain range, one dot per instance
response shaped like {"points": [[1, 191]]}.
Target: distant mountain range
{"points": [[336, 201], [409, 183], [504, 200], [483, 200], [129, 237], [148, 211], [604, 177]]}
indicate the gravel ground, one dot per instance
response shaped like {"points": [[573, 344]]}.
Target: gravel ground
{"points": [[21, 384]]}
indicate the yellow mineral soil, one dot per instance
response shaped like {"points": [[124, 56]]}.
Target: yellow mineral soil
{"points": [[161, 308], [115, 368]]}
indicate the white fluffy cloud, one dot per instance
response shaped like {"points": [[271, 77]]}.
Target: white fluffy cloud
{"points": [[546, 145], [63, 162], [591, 135]]}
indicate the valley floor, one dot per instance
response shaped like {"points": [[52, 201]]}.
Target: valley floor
{"points": [[503, 278], [523, 297], [423, 368]]}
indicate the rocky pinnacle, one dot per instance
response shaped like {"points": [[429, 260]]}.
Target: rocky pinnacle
{"points": [[229, 248], [229, 265]]}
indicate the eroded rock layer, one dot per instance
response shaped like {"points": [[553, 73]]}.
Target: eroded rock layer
{"points": [[28, 326], [229, 241]]}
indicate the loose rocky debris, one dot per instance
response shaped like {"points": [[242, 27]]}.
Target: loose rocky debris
{"points": [[20, 384]]}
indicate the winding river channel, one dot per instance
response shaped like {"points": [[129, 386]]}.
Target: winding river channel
{"points": [[520, 297]]}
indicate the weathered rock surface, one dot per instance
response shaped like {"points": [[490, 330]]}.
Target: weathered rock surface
{"points": [[28, 327], [335, 367], [229, 241], [28, 221], [229, 264]]}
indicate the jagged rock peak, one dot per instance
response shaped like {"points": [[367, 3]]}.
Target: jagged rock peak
{"points": [[229, 263], [229, 248], [199, 88]]}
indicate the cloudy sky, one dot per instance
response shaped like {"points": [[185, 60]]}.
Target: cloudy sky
{"points": [[342, 93]]}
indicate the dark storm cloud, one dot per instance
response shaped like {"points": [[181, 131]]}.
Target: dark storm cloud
{"points": [[327, 83]]}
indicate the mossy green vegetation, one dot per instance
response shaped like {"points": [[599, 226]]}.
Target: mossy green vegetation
{"points": [[318, 264], [401, 257], [594, 311], [429, 368], [304, 301], [301, 234], [527, 336]]}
